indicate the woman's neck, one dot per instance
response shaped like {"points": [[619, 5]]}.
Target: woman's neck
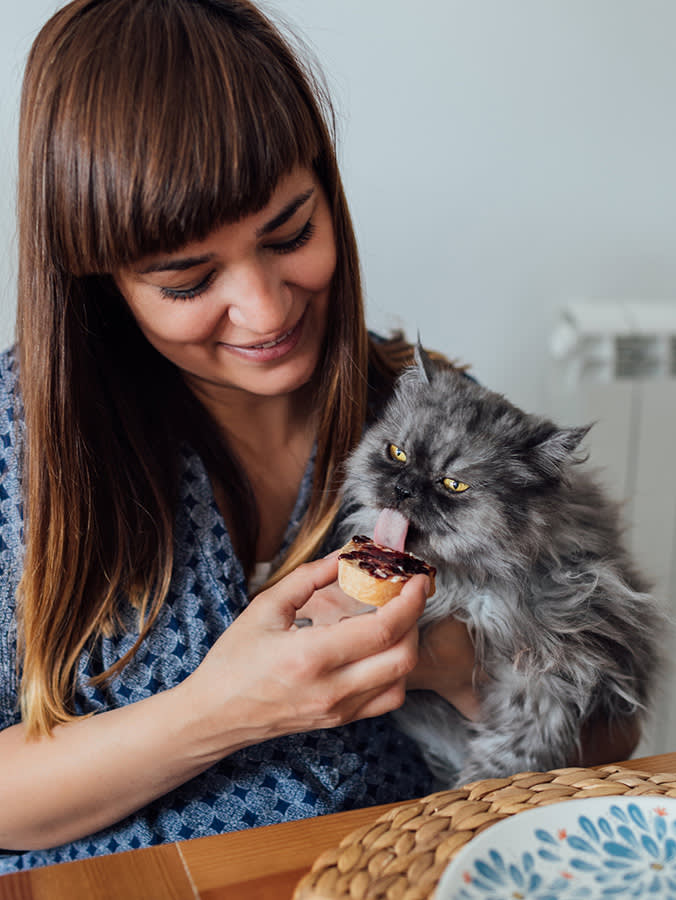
{"points": [[249, 422], [272, 438]]}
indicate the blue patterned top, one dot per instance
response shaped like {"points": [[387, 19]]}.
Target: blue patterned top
{"points": [[361, 764]]}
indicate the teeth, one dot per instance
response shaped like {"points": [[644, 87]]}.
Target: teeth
{"points": [[269, 344]]}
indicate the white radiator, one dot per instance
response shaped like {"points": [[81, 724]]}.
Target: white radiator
{"points": [[614, 364]]}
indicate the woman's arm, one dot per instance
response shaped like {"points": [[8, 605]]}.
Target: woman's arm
{"points": [[606, 741], [93, 772], [263, 678]]}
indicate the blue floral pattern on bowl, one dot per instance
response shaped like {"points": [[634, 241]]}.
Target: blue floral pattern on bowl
{"points": [[602, 847]]}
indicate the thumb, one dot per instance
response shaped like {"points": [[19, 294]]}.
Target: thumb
{"points": [[284, 599]]}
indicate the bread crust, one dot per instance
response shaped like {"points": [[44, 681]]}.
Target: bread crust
{"points": [[374, 574]]}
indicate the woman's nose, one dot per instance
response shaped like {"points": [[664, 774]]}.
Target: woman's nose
{"points": [[258, 299]]}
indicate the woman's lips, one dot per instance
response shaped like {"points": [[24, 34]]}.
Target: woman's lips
{"points": [[270, 350], [268, 344]]}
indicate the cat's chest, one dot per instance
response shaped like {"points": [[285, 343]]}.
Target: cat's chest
{"points": [[487, 607]]}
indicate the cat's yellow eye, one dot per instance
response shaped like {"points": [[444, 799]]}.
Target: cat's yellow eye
{"points": [[453, 485], [396, 453]]}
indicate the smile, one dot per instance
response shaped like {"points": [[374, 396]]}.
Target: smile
{"points": [[269, 351], [268, 344]]}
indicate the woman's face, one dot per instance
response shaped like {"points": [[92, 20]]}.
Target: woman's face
{"points": [[245, 309]]}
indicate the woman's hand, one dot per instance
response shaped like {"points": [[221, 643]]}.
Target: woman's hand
{"points": [[446, 665], [445, 655], [265, 677]]}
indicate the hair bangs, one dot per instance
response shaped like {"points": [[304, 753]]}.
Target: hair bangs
{"points": [[170, 143]]}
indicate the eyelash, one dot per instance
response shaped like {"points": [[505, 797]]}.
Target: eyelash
{"points": [[188, 293], [295, 243]]}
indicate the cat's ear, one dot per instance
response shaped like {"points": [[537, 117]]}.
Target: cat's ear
{"points": [[554, 449], [424, 363]]}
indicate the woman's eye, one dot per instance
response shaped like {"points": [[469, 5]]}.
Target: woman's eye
{"points": [[295, 243], [396, 453], [453, 485], [188, 293]]}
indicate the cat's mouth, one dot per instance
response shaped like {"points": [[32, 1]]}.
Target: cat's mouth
{"points": [[391, 529]]}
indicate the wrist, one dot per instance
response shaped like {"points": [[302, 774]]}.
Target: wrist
{"points": [[213, 726]]}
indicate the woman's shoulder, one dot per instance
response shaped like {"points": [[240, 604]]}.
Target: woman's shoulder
{"points": [[10, 404], [9, 376], [11, 431], [11, 530]]}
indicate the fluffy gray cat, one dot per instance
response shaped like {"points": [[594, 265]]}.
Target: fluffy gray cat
{"points": [[529, 554]]}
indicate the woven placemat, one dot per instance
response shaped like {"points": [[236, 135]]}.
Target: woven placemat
{"points": [[403, 853]]}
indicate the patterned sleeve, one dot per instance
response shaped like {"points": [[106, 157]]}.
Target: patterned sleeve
{"points": [[11, 538]]}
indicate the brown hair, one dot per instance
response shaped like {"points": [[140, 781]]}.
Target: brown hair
{"points": [[144, 124]]}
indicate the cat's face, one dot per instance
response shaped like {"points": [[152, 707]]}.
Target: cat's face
{"points": [[476, 477]]}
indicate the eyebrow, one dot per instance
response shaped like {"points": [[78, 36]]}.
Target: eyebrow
{"points": [[286, 213], [176, 265], [188, 262]]}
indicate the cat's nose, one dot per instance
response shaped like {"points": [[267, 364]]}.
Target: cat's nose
{"points": [[401, 492]]}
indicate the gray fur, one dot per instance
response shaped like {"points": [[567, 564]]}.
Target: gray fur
{"points": [[530, 557]]}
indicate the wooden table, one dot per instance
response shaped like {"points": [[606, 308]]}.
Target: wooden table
{"points": [[258, 864]]}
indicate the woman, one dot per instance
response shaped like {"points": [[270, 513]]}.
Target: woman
{"points": [[192, 368]]}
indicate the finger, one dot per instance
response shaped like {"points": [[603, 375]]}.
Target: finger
{"points": [[416, 584], [359, 637], [386, 689], [367, 704], [384, 668], [330, 604], [384, 701], [285, 598], [377, 684]]}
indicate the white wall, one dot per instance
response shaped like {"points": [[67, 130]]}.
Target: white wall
{"points": [[16, 35], [501, 157]]}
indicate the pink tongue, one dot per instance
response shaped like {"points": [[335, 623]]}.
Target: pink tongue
{"points": [[391, 529]]}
